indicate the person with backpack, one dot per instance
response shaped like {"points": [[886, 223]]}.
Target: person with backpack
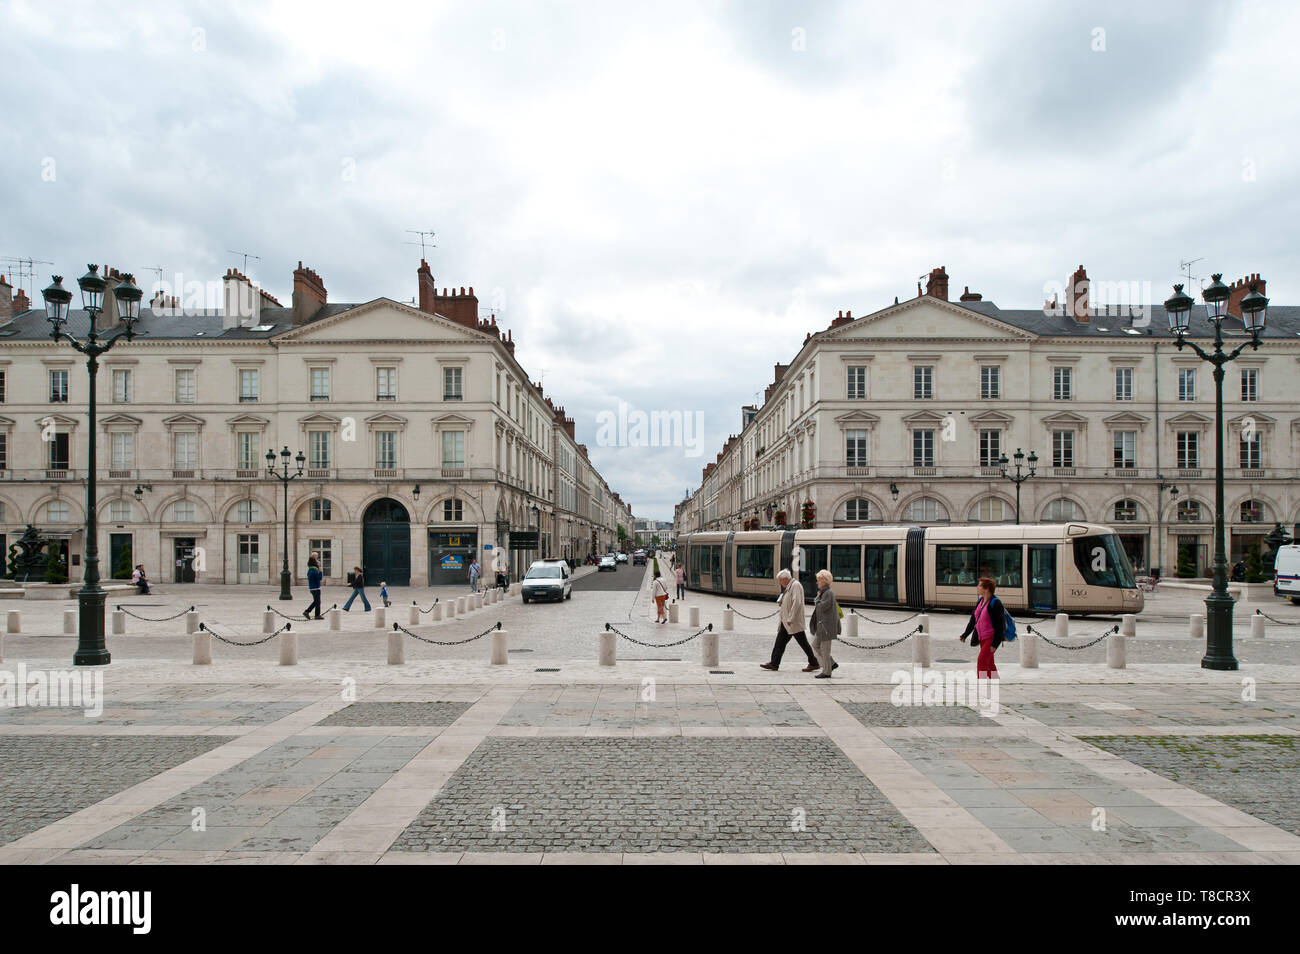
{"points": [[660, 592], [314, 577], [358, 589], [825, 623], [988, 623]]}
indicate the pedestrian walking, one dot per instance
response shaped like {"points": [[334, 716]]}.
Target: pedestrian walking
{"points": [[825, 623], [474, 571], [660, 592], [358, 589], [680, 575], [499, 565], [314, 578], [988, 622], [383, 593], [790, 623]]}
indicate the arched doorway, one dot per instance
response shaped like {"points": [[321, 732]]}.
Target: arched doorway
{"points": [[386, 544]]}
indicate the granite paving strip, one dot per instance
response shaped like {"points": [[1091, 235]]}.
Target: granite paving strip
{"points": [[377, 822], [941, 820]]}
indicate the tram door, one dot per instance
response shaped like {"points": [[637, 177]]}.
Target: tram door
{"points": [[1042, 578]]}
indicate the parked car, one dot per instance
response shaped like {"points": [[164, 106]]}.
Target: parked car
{"points": [[621, 557], [1286, 580], [607, 562], [547, 580]]}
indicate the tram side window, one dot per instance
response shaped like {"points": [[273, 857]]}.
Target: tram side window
{"points": [[846, 564], [966, 565], [754, 562], [955, 566], [696, 556], [1000, 564], [1102, 562]]}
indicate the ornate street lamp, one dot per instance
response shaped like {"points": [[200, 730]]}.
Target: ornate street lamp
{"points": [[284, 475], [1021, 475], [91, 650], [1254, 314]]}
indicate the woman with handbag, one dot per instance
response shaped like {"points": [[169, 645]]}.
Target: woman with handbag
{"points": [[825, 623], [986, 628], [660, 592]]}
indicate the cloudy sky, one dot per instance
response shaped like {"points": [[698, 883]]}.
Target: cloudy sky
{"points": [[660, 200]]}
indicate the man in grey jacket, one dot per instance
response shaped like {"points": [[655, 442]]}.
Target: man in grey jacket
{"points": [[791, 623]]}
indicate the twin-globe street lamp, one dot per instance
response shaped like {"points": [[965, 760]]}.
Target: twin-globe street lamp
{"points": [[1254, 313], [1021, 475], [284, 476], [91, 650]]}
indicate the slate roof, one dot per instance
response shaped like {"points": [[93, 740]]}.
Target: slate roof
{"points": [[32, 325], [1283, 322]]}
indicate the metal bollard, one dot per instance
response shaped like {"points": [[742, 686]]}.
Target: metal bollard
{"points": [[1128, 624], [119, 622], [14, 621], [203, 648], [335, 619], [268, 622], [500, 650], [379, 618], [695, 617], [850, 624], [396, 647], [672, 612], [1196, 626], [192, 621], [288, 648], [924, 622], [1116, 652], [728, 619], [921, 651], [414, 618], [709, 647], [1062, 625], [1257, 626], [69, 622], [1028, 650], [607, 655]]}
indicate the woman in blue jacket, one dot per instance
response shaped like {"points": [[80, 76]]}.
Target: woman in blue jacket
{"points": [[314, 578], [988, 621]]}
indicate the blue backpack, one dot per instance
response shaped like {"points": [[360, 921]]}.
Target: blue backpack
{"points": [[1010, 635]]}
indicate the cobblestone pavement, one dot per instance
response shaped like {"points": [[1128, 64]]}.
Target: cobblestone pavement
{"points": [[398, 713]]}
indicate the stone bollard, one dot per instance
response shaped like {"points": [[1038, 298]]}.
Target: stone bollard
{"points": [[451, 608], [1128, 625], [1028, 650], [1257, 626], [1196, 626], [435, 614], [336, 619], [921, 651], [69, 622], [924, 622], [695, 617], [119, 622], [709, 647], [14, 621], [414, 618], [850, 624], [478, 601], [380, 616], [460, 606], [1062, 625], [607, 655], [288, 648], [203, 648], [500, 648], [192, 621], [396, 647], [1116, 651], [268, 622], [672, 612], [728, 619], [516, 589]]}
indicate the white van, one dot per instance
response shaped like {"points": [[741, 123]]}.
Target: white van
{"points": [[547, 580], [1287, 568]]}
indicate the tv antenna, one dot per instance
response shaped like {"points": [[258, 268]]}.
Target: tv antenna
{"points": [[158, 284], [247, 256], [1186, 267], [24, 270], [426, 241]]}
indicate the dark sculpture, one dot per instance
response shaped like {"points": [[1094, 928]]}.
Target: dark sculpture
{"points": [[27, 556]]}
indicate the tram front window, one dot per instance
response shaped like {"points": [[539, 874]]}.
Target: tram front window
{"points": [[1102, 562]]}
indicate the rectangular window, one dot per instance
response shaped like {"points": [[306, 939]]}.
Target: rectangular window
{"points": [[1189, 449], [453, 449], [184, 385], [385, 450], [58, 387], [755, 563], [1062, 448], [855, 449], [325, 550], [453, 510], [2, 387], [922, 382], [320, 384], [1252, 454], [249, 444], [857, 383], [923, 448], [121, 450], [185, 450], [248, 385], [121, 386], [846, 564], [386, 384], [319, 457], [119, 511], [4, 451], [57, 457], [452, 384], [322, 509], [1126, 449], [990, 382], [1062, 384], [1123, 384], [1249, 384], [965, 565], [990, 448], [1187, 384]]}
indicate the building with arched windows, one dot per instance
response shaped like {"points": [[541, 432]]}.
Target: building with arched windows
{"points": [[904, 415]]}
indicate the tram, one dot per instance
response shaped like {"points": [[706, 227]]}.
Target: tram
{"points": [[1074, 568]]}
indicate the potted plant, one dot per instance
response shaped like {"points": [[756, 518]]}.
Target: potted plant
{"points": [[809, 514], [780, 518]]}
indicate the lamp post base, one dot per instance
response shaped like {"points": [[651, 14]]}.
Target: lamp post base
{"points": [[284, 585], [91, 650], [1218, 633]]}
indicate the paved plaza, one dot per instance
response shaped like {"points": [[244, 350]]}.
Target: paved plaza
{"points": [[553, 759]]}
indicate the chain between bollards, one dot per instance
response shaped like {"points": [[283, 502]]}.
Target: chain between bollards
{"points": [[1110, 632], [1281, 622], [398, 628], [150, 619], [424, 611], [204, 627], [744, 616], [633, 639], [895, 642], [888, 622]]}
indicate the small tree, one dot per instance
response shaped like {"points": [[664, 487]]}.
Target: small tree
{"points": [[1256, 568], [56, 571], [1186, 567], [123, 568]]}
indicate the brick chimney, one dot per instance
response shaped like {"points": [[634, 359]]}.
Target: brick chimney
{"points": [[843, 318], [461, 307], [241, 306], [108, 317], [936, 285], [21, 304], [428, 291], [968, 295], [6, 300], [1240, 289], [1076, 296], [308, 294]]}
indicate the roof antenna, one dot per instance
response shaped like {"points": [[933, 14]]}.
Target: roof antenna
{"points": [[424, 242], [247, 256], [1187, 269]]}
